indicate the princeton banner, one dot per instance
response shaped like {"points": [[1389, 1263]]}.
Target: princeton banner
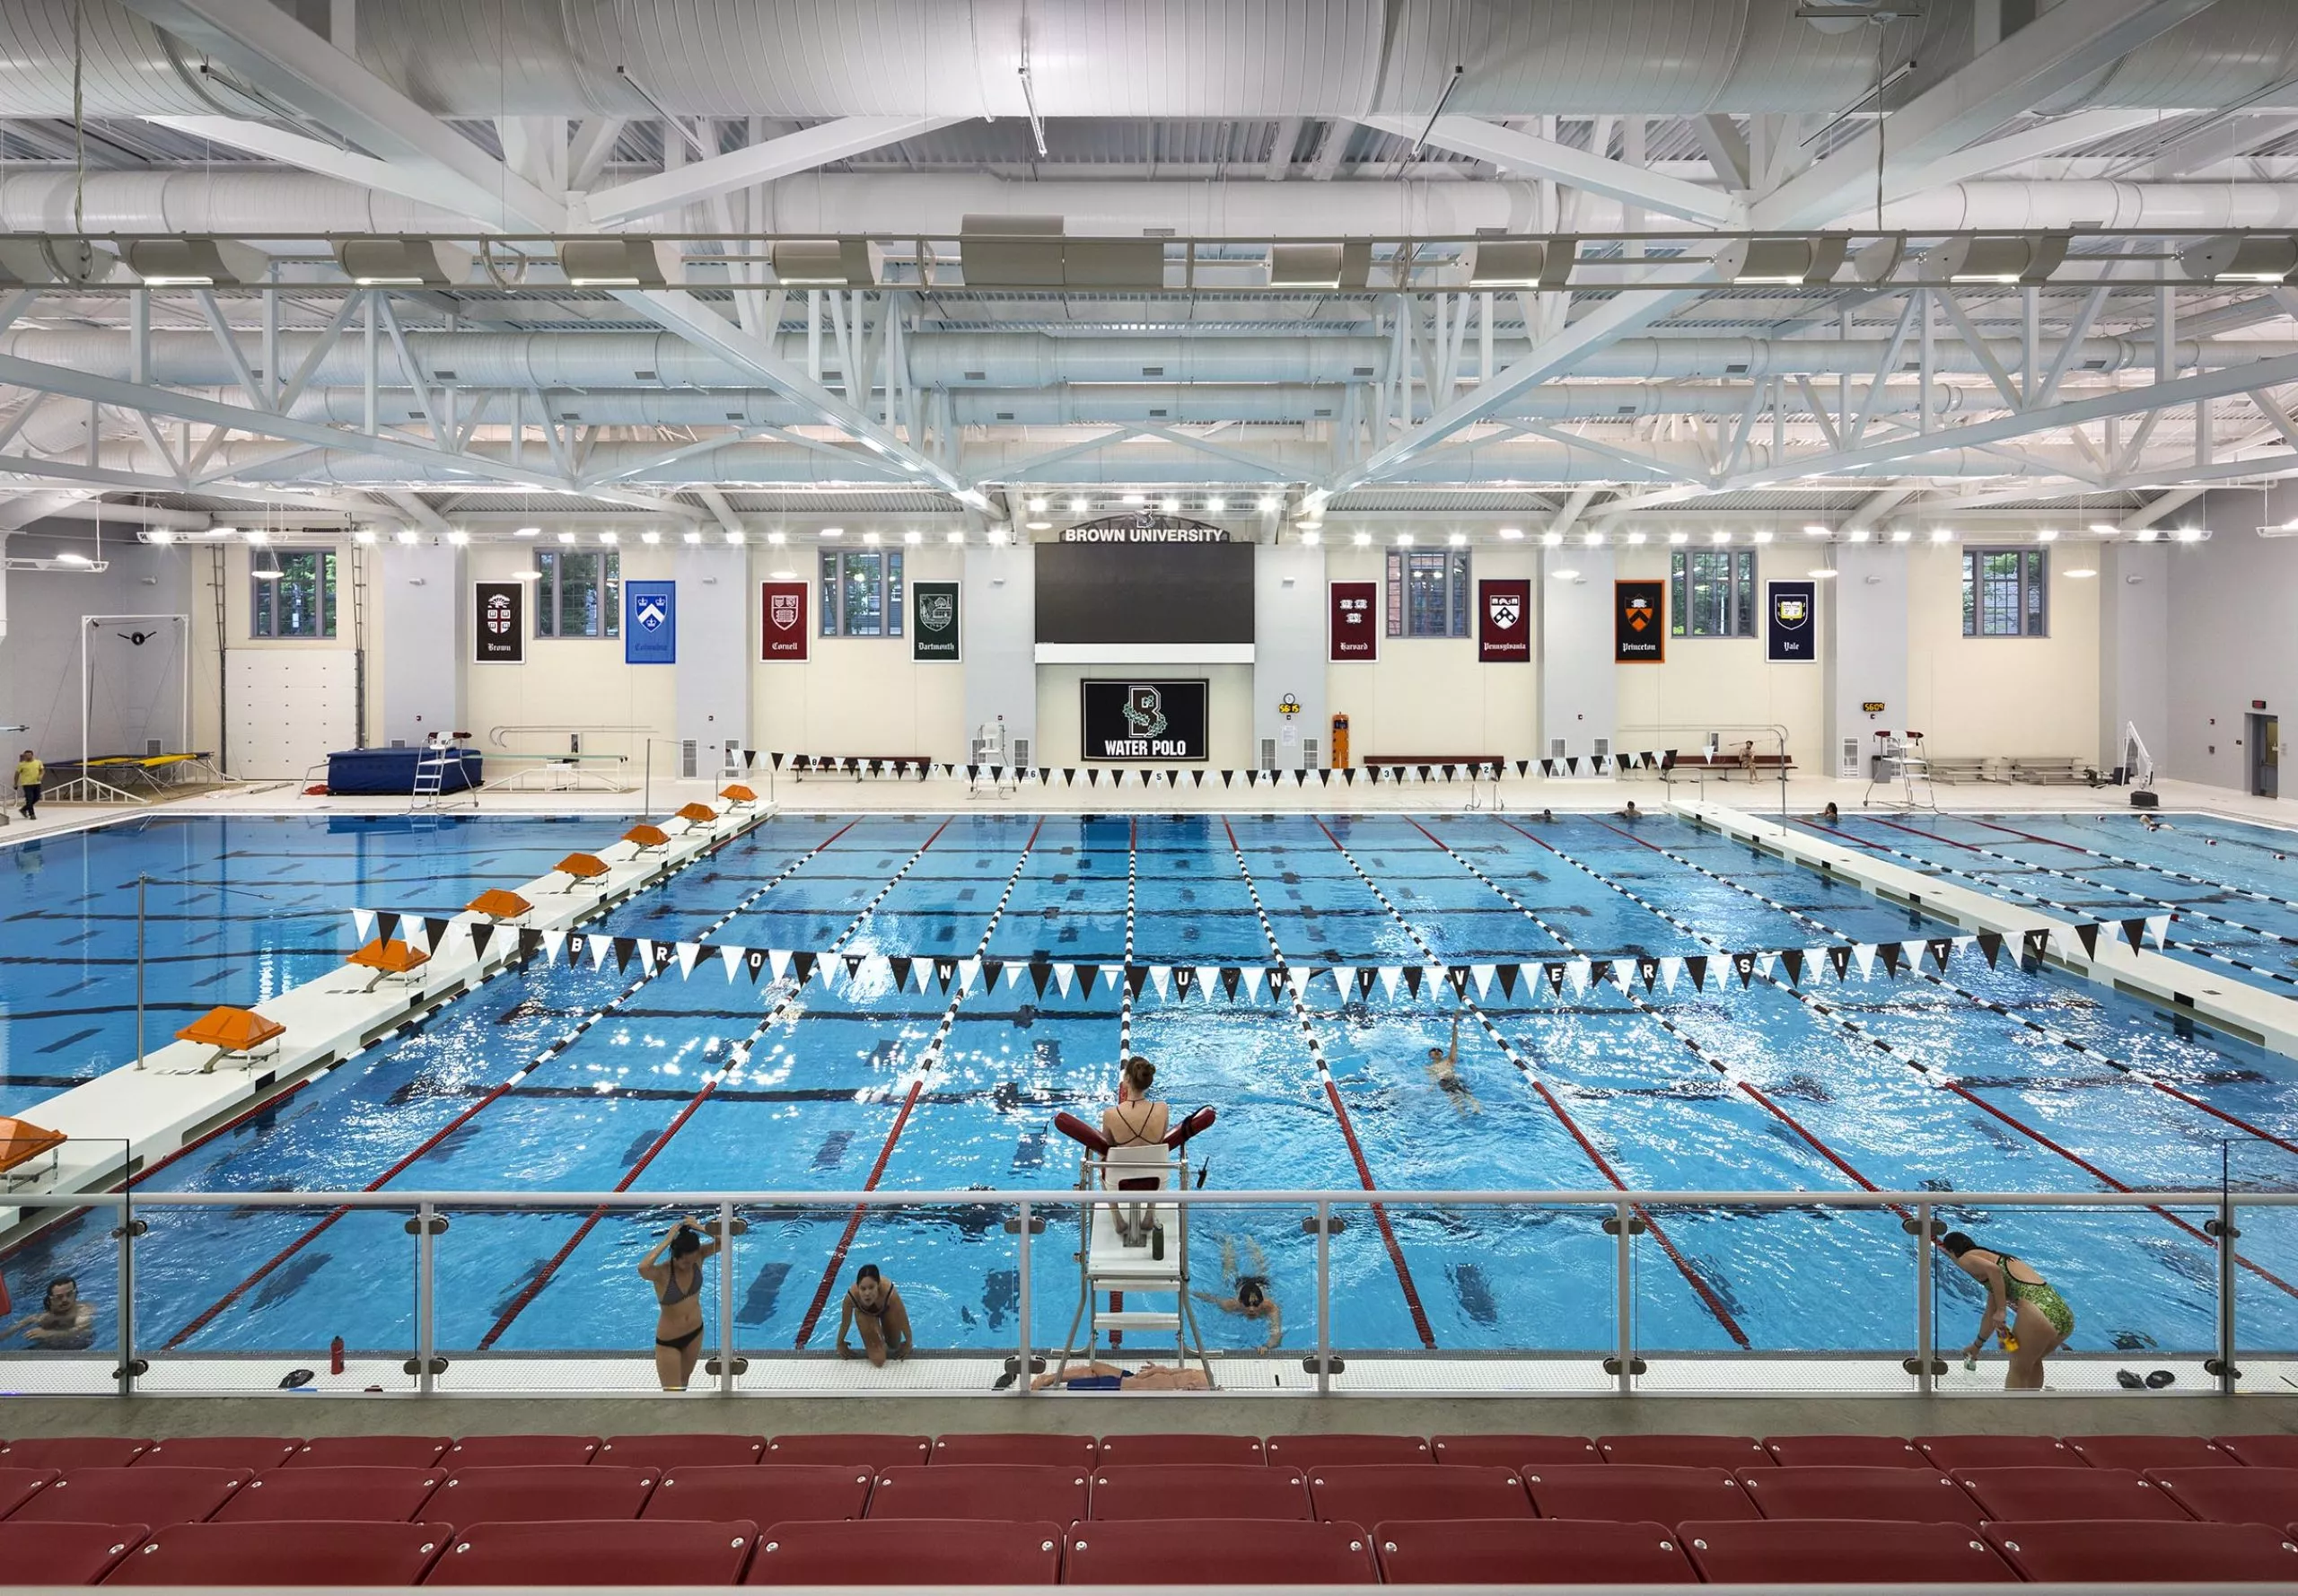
{"points": [[782, 621], [650, 623], [1353, 624], [1791, 627], [499, 623], [933, 620], [1639, 622], [1504, 621], [1144, 720]]}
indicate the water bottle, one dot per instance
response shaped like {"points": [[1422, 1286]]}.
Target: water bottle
{"points": [[1157, 1242], [335, 1356]]}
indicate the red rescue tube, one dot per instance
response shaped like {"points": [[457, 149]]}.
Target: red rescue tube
{"points": [[1077, 1130], [1198, 1121]]}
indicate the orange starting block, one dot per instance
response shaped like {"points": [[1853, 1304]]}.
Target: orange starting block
{"points": [[496, 904], [21, 1143], [388, 959], [240, 1034]]}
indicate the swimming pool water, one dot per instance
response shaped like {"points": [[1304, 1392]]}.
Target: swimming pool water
{"points": [[706, 1084]]}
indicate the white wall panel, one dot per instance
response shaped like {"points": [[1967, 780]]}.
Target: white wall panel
{"points": [[288, 708]]}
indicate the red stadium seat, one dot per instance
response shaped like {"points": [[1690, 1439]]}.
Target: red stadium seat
{"points": [[1951, 1454], [154, 1496], [72, 1452], [1844, 1452], [663, 1453], [1033, 1493], [2144, 1453], [1814, 1551], [1685, 1451], [1219, 1552], [2030, 1494], [1314, 1451], [519, 1452], [907, 1554], [1636, 1493], [873, 1451], [19, 1486], [1360, 1493], [1900, 1495], [369, 1452], [2255, 1452], [2074, 1551], [64, 1554], [1064, 1452], [370, 1495], [1514, 1451], [1529, 1552], [2233, 1494], [542, 1493], [308, 1553], [644, 1556], [1183, 1449], [764, 1494], [250, 1454], [1201, 1491]]}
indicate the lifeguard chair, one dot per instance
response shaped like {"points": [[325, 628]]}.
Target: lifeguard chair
{"points": [[240, 1035], [1139, 1246], [1901, 764]]}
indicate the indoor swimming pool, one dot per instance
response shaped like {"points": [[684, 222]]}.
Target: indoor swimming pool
{"points": [[1973, 1079]]}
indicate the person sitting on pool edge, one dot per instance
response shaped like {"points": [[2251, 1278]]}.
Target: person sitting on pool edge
{"points": [[677, 1281], [874, 1306], [1252, 1300], [2019, 1301]]}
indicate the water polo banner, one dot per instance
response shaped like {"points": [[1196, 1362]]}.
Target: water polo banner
{"points": [[1352, 625], [650, 623], [1504, 621], [1792, 630], [933, 620], [782, 621], [1639, 622], [1143, 720], [499, 623]]}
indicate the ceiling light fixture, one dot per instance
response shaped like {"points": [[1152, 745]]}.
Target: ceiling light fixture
{"points": [[1795, 261], [2242, 257], [693, 537], [2029, 258], [528, 531], [1362, 540], [650, 537], [1512, 534]]}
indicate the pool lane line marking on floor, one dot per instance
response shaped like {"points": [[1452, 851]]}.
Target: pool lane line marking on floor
{"points": [[1701, 1287], [926, 1063], [737, 1057], [1902, 1055], [556, 1048], [1332, 1094]]}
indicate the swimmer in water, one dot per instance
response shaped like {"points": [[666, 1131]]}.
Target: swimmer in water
{"points": [[1631, 813], [1251, 1299], [1444, 1069], [1831, 815], [1548, 816]]}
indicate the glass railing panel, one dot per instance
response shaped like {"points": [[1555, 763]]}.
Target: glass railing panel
{"points": [[64, 1342]]}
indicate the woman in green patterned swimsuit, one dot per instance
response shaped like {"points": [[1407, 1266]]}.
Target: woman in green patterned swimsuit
{"points": [[2018, 1296]]}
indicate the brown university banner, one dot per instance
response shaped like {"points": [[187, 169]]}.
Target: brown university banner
{"points": [[1639, 622], [1504, 621]]}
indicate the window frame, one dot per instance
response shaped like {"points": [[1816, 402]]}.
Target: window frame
{"points": [[833, 588], [2030, 586], [606, 623], [1742, 581], [264, 615], [1405, 617]]}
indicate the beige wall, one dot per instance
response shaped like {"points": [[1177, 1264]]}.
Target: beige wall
{"points": [[1720, 684], [2002, 695], [857, 695], [569, 684], [1427, 695]]}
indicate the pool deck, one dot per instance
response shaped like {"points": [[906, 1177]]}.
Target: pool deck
{"points": [[132, 1117]]}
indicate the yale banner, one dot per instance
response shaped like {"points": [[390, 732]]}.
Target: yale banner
{"points": [[933, 620], [1352, 628], [650, 623], [1504, 621], [499, 623], [782, 621], [1639, 622], [1792, 626]]}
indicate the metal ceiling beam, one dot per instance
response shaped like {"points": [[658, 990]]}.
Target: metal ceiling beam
{"points": [[310, 154], [2031, 144], [1530, 156], [2225, 137], [2147, 514], [759, 163]]}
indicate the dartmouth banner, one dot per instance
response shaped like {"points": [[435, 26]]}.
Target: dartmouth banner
{"points": [[1793, 629], [933, 620], [1639, 622], [499, 636]]}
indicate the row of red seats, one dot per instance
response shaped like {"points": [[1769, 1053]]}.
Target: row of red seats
{"points": [[1179, 1552], [253, 1454]]}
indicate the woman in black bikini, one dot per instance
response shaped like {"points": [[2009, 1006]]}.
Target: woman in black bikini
{"points": [[677, 1281], [1136, 1121]]}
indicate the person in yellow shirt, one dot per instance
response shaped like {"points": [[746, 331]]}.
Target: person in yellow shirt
{"points": [[29, 774]]}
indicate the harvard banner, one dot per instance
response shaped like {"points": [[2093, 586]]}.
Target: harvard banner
{"points": [[1639, 622], [933, 620], [1504, 621], [1793, 628], [499, 626], [1353, 625], [782, 621], [650, 623]]}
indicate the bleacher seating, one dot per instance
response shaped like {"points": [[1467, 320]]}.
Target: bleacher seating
{"points": [[1664, 1493], [1844, 1452], [250, 1454], [2148, 1451], [1364, 1492], [539, 1492], [667, 1554], [18, 1485], [1514, 1451], [2233, 1494], [764, 1493], [1530, 1551], [1685, 1451], [152, 1496], [2077, 1551], [519, 1451], [72, 1452], [1080, 1451], [309, 1553], [1863, 1551], [383, 1496], [1183, 1449], [664, 1452], [1201, 1491], [64, 1554], [1220, 1552], [908, 1553], [2035, 1493], [370, 1451], [2254, 1451], [1900, 1495], [875, 1452], [1319, 1451], [1950, 1455], [1055, 1493]]}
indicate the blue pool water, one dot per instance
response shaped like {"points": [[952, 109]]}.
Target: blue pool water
{"points": [[707, 1084]]}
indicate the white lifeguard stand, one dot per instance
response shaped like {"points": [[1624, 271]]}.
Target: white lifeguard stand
{"points": [[1903, 770], [1134, 1250], [991, 755]]}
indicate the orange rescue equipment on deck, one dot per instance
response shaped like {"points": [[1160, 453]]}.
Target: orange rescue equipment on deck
{"points": [[20, 1141], [698, 814], [233, 1034], [647, 836], [496, 904]]}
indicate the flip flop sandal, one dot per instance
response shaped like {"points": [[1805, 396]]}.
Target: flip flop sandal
{"points": [[1003, 1380], [2129, 1380], [2159, 1379]]}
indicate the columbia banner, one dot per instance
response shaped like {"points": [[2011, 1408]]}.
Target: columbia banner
{"points": [[1792, 628], [1639, 622], [499, 626], [782, 621], [650, 623], [933, 620], [1352, 628], [1504, 621]]}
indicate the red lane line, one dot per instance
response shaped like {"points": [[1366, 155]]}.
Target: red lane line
{"points": [[1933, 836], [2013, 831], [202, 1321], [1830, 833]]}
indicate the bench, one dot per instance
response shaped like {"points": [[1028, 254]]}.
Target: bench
{"points": [[1437, 761], [2055, 771], [1962, 767], [1724, 764], [854, 764]]}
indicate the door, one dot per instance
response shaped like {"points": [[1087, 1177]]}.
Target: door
{"points": [[2266, 756]]}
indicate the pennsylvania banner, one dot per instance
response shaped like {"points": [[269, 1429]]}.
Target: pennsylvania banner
{"points": [[782, 621], [1639, 622], [1504, 621], [1791, 628], [933, 620], [499, 625], [650, 623], [1353, 627]]}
